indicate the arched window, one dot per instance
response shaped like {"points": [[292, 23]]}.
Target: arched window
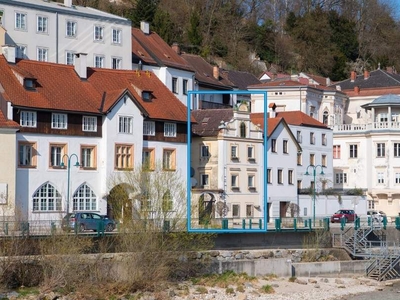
{"points": [[242, 130], [167, 201], [325, 118], [46, 198], [84, 198]]}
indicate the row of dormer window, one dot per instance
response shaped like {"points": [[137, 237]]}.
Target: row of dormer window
{"points": [[89, 123]]}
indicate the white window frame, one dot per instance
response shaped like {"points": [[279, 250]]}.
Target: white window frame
{"points": [[174, 88], [290, 177], [234, 152], [235, 181], [20, 21], [205, 151], [28, 119], [279, 176], [273, 146], [170, 129], [250, 153], [84, 199], [185, 83], [380, 149], [70, 58], [20, 51], [98, 33], [125, 124], [396, 149], [116, 63], [251, 182], [59, 121], [89, 123], [149, 128], [269, 175], [99, 61], [46, 198], [42, 54], [116, 36], [88, 157], [380, 177], [236, 214], [353, 151], [70, 28], [57, 152], [42, 24], [340, 178], [397, 178], [336, 151]]}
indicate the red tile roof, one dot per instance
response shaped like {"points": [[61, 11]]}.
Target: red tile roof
{"points": [[204, 72], [152, 49], [300, 119], [4, 123], [163, 106], [291, 117], [272, 123], [60, 88]]}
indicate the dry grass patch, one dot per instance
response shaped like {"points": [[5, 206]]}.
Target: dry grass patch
{"points": [[224, 280]]}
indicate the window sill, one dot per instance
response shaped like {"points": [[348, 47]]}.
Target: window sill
{"points": [[252, 160], [252, 189], [235, 189], [26, 167], [89, 168]]}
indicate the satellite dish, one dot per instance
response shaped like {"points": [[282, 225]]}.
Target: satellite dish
{"points": [[193, 182], [191, 172]]}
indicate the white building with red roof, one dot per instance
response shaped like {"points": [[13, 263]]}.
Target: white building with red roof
{"points": [[105, 120]]}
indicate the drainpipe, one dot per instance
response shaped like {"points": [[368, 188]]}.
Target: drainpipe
{"points": [[57, 37]]}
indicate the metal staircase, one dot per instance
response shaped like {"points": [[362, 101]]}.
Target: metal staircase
{"points": [[384, 268], [369, 242]]}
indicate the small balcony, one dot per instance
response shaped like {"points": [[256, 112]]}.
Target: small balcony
{"points": [[375, 126]]}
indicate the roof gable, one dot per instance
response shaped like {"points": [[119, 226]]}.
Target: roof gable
{"points": [[152, 49], [60, 88]]}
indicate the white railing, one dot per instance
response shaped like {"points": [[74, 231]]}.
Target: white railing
{"points": [[366, 127]]}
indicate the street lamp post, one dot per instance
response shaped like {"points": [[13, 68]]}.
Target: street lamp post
{"points": [[314, 168], [69, 157]]}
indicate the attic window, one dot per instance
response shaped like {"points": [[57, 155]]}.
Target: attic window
{"points": [[29, 83], [140, 53], [166, 55], [146, 95], [205, 120]]}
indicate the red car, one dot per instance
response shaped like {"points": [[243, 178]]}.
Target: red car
{"points": [[349, 215]]}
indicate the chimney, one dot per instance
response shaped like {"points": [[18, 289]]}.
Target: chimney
{"points": [[328, 81], [389, 70], [366, 74], [176, 48], [353, 76], [9, 53], [68, 3], [216, 72], [81, 65], [145, 27], [357, 90], [272, 111]]}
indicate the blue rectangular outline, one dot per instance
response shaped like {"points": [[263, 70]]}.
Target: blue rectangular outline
{"points": [[189, 141]]}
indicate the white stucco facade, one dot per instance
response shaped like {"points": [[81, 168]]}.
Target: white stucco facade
{"points": [[50, 31]]}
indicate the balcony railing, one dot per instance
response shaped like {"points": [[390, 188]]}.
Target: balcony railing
{"points": [[366, 127]]}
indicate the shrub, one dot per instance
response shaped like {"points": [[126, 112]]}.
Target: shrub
{"points": [[267, 289]]}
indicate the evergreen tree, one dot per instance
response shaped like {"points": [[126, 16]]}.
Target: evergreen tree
{"points": [[194, 34], [144, 11]]}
